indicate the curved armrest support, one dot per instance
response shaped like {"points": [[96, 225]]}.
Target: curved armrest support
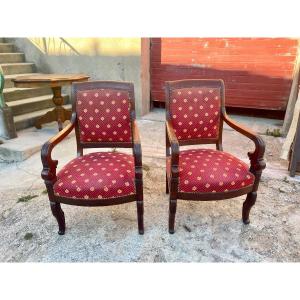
{"points": [[49, 165], [257, 156], [137, 151], [173, 142]]}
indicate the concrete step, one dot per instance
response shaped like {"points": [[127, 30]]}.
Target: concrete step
{"points": [[25, 106], [11, 57], [12, 94], [28, 120], [6, 47], [29, 141], [8, 79], [18, 68]]}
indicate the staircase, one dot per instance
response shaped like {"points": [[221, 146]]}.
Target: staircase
{"points": [[27, 104]]}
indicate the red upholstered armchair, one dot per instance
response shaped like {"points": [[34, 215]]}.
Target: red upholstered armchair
{"points": [[195, 112], [103, 116]]}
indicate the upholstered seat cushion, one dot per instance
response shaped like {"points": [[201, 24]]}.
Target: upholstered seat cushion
{"points": [[210, 171], [97, 175]]}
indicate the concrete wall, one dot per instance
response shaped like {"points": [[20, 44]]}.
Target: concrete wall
{"points": [[100, 58]]}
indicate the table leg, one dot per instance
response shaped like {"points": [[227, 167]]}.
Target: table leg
{"points": [[59, 113]]}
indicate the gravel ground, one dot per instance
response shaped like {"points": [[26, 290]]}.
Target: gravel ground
{"points": [[205, 231]]}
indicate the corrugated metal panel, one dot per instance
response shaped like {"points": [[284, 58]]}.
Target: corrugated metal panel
{"points": [[257, 71]]}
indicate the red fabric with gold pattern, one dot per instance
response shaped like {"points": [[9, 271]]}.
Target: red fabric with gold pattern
{"points": [[97, 175], [210, 171], [103, 115], [195, 112]]}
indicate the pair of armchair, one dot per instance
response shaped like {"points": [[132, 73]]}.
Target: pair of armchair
{"points": [[103, 116]]}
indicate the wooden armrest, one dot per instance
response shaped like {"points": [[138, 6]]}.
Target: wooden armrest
{"points": [[49, 165], [256, 157], [173, 142]]}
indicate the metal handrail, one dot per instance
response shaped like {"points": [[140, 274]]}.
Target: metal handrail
{"points": [[69, 45], [47, 44], [2, 101]]}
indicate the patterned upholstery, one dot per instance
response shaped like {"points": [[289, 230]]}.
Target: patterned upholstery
{"points": [[195, 112], [103, 115], [96, 176], [210, 171]]}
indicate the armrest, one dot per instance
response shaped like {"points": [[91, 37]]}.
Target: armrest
{"points": [[49, 165], [137, 148], [173, 142], [257, 156]]}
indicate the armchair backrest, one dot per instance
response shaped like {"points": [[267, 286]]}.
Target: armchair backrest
{"points": [[104, 112], [194, 109]]}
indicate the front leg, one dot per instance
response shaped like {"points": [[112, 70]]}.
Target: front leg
{"points": [[247, 205], [59, 215], [257, 165]]}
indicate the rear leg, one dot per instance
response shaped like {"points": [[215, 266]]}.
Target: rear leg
{"points": [[140, 215], [167, 185], [172, 213]]}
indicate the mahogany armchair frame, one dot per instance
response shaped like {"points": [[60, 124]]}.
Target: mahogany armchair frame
{"points": [[257, 163], [50, 165]]}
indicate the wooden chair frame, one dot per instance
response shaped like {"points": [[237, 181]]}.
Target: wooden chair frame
{"points": [[257, 163], [49, 165]]}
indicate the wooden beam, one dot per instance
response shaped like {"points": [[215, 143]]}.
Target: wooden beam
{"points": [[293, 95], [295, 152], [286, 148], [145, 75]]}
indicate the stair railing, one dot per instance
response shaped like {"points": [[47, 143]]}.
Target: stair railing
{"points": [[2, 102], [54, 45], [7, 125]]}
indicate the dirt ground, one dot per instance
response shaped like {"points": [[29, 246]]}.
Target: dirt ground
{"points": [[205, 231]]}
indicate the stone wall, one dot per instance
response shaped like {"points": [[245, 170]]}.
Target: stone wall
{"points": [[100, 58]]}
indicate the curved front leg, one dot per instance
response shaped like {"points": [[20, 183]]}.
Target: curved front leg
{"points": [[59, 216], [257, 166], [257, 163], [49, 173], [247, 205]]}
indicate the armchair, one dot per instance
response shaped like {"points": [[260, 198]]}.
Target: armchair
{"points": [[103, 116], [195, 112]]}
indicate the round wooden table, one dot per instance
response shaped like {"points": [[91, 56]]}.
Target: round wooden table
{"points": [[55, 81]]}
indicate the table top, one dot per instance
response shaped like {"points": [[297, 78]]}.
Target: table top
{"points": [[52, 80]]}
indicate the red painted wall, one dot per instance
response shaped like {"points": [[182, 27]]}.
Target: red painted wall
{"points": [[257, 71]]}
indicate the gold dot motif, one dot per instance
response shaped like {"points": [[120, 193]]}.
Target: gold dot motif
{"points": [[210, 178], [89, 114], [185, 103]]}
